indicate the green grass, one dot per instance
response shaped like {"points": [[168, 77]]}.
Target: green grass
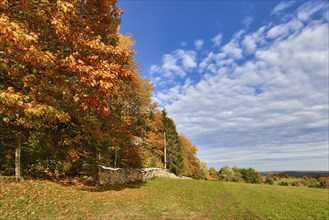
{"points": [[288, 180], [162, 199]]}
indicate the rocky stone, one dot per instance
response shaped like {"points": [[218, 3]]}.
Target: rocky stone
{"points": [[119, 176]]}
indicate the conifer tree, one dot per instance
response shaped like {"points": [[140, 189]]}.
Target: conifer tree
{"points": [[174, 147]]}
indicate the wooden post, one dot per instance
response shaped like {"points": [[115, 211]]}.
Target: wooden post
{"points": [[18, 157]]}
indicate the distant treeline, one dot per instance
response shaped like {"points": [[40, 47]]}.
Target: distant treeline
{"points": [[313, 179], [234, 174], [298, 173]]}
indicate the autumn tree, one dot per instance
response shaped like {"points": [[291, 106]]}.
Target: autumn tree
{"points": [[153, 142], [69, 81], [131, 121], [191, 164], [57, 61], [69, 87], [213, 173]]}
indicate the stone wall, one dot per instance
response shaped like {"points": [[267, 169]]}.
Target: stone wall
{"points": [[118, 176]]}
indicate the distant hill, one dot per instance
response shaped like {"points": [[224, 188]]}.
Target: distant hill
{"points": [[298, 173]]}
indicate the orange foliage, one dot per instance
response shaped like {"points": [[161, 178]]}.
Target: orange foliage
{"points": [[56, 59], [191, 162], [65, 68]]}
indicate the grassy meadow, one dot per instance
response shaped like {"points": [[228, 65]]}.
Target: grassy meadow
{"points": [[162, 198]]}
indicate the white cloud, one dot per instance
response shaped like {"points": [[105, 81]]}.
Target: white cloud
{"points": [[272, 106], [241, 154], [187, 58], [249, 43], [170, 67], [282, 6], [284, 30], [175, 64], [198, 44], [308, 9], [217, 40], [247, 21], [183, 44], [232, 49], [171, 95]]}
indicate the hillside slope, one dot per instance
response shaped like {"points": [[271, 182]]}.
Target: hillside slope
{"points": [[162, 198]]}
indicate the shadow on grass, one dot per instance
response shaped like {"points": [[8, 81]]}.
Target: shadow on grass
{"points": [[79, 184], [97, 188]]}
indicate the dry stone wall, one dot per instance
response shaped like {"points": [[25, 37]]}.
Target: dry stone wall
{"points": [[118, 176]]}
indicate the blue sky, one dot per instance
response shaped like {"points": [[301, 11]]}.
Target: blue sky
{"points": [[245, 81]]}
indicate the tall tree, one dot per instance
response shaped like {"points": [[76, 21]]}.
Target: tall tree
{"points": [[174, 146], [154, 143], [58, 60], [204, 172], [191, 162], [68, 80], [69, 84]]}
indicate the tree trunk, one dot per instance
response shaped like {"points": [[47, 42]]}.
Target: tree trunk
{"points": [[18, 157], [165, 151], [115, 158]]}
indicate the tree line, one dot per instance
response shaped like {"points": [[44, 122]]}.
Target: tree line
{"points": [[234, 174], [70, 93], [250, 175]]}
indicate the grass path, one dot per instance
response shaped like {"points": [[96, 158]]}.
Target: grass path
{"points": [[162, 199]]}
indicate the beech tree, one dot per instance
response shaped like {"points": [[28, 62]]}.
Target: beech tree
{"points": [[59, 60], [69, 78], [153, 142], [191, 164], [70, 88]]}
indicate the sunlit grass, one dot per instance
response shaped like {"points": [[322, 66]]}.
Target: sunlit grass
{"points": [[162, 199]]}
